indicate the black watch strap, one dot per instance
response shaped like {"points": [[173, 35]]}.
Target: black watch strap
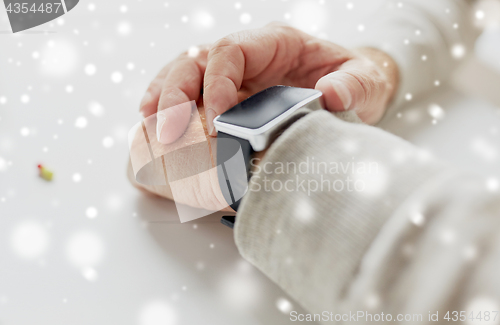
{"points": [[233, 176]]}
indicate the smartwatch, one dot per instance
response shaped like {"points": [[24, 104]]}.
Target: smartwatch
{"points": [[251, 126]]}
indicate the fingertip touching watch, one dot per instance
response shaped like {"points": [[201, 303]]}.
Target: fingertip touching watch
{"points": [[251, 126]]}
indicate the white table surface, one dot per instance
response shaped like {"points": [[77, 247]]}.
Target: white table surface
{"points": [[134, 263]]}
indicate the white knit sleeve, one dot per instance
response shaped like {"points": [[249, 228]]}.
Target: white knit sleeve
{"points": [[426, 38]]}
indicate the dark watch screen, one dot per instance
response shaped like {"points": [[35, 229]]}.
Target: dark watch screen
{"points": [[265, 106]]}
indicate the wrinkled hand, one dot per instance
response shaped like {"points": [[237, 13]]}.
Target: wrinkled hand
{"points": [[247, 62]]}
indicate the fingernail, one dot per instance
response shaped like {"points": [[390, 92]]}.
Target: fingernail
{"points": [[145, 100], [210, 115], [171, 123], [343, 93]]}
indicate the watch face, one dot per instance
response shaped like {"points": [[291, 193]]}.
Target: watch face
{"points": [[265, 106]]}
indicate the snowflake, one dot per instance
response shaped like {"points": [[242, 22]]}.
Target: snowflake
{"points": [[116, 77], [284, 305], [25, 99], [76, 177], [492, 184], [96, 109], [25, 131], [436, 111], [193, 51], [90, 274], [91, 212], [417, 219], [85, 249], [108, 142], [29, 240], [245, 18], [157, 312], [124, 28], [304, 211], [203, 20], [81, 122], [458, 51], [90, 69]]}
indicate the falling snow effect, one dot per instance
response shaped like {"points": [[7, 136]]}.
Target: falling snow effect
{"points": [[101, 54], [58, 58], [308, 16], [284, 306], [25, 99], [373, 181], [77, 178], [96, 109], [108, 142], [203, 20], [85, 249], [29, 240], [3, 165], [90, 274], [90, 69], [116, 77], [304, 211], [492, 184], [417, 219], [372, 301], [25, 131], [114, 202], [436, 111], [458, 51], [448, 236], [157, 313], [81, 122], [238, 291], [124, 28], [91, 212], [484, 149], [193, 51], [245, 18]]}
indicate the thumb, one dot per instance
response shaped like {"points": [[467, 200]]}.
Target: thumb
{"points": [[357, 85]]}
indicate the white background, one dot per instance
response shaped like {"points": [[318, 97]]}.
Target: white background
{"points": [[133, 262]]}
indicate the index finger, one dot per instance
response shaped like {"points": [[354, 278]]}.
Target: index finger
{"points": [[181, 85]]}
